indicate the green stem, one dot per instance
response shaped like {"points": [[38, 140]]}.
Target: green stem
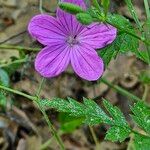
{"points": [[147, 9], [14, 62], [17, 92], [36, 100], [146, 89], [94, 137], [40, 6], [120, 90], [135, 132], [19, 48], [50, 125]]}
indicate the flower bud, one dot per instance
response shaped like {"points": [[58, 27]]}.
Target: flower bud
{"points": [[84, 18], [70, 8]]}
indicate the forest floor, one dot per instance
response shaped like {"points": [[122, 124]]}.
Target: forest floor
{"points": [[22, 126]]}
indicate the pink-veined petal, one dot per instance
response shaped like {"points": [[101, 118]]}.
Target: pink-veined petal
{"points": [[46, 30], [98, 35], [52, 61], [86, 62]]}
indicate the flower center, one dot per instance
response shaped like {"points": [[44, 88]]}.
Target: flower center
{"points": [[72, 40]]}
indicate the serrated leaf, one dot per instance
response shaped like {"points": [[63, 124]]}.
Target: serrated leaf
{"points": [[71, 106], [108, 53], [141, 115], [90, 110], [116, 133], [123, 43], [116, 114], [141, 142], [94, 114]]}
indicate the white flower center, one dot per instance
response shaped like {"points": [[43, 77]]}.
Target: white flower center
{"points": [[72, 40]]}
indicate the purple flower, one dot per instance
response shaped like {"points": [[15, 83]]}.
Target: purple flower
{"points": [[69, 42]]}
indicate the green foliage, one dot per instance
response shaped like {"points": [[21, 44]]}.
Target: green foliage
{"points": [[141, 115], [109, 52], [117, 115], [123, 42], [141, 142], [92, 114], [117, 133], [70, 8], [120, 129]]}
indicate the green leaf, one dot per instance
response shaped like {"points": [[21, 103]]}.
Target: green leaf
{"points": [[4, 78], [70, 106], [141, 115], [71, 8], [141, 142], [68, 123], [127, 43], [123, 42], [116, 133], [108, 53], [94, 114], [117, 115]]}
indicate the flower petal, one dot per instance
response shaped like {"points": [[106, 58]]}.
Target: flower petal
{"points": [[46, 30], [98, 35], [86, 63], [68, 21], [52, 61]]}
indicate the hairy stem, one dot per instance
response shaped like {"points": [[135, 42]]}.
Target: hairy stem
{"points": [[94, 137], [120, 90], [14, 62], [18, 93], [50, 125], [19, 48]]}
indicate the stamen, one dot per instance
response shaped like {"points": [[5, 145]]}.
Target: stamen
{"points": [[72, 40]]}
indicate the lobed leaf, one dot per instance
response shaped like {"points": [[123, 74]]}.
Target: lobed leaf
{"points": [[141, 142], [141, 115], [117, 133]]}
